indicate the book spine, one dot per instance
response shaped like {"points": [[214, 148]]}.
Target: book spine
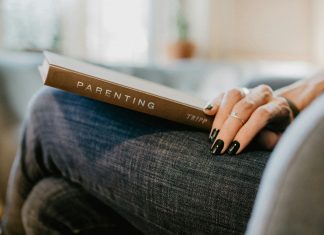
{"points": [[126, 97]]}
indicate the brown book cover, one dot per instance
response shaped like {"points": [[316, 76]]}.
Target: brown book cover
{"points": [[123, 90]]}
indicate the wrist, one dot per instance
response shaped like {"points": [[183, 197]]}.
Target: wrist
{"points": [[302, 93]]}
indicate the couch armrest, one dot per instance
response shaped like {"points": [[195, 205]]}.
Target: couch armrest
{"points": [[290, 197], [274, 83]]}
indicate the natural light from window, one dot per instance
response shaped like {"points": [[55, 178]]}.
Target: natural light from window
{"points": [[118, 31]]}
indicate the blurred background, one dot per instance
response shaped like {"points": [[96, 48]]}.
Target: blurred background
{"points": [[200, 47]]}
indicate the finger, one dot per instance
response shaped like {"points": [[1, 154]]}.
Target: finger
{"points": [[241, 112], [258, 120], [212, 106], [229, 99], [268, 139]]}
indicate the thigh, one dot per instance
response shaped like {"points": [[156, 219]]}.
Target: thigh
{"points": [[158, 174]]}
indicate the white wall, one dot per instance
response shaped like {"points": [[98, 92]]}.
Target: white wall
{"points": [[200, 19], [74, 27], [318, 32], [1, 26], [263, 29], [223, 29]]}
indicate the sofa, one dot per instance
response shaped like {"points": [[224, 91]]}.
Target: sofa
{"points": [[289, 199]]}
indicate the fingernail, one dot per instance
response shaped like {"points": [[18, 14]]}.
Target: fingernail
{"points": [[217, 146], [235, 145], [213, 135], [208, 107]]}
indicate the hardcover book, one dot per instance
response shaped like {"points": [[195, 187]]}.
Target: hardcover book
{"points": [[123, 90]]}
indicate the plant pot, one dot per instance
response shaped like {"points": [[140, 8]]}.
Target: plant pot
{"points": [[181, 50]]}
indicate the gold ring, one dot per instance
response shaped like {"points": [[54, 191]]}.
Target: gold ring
{"points": [[235, 115]]}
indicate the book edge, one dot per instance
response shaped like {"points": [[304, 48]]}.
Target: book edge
{"points": [[44, 69], [48, 55], [117, 84]]}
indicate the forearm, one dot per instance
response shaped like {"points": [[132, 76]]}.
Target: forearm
{"points": [[302, 93]]}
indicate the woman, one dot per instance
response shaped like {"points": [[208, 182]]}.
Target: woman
{"points": [[85, 167]]}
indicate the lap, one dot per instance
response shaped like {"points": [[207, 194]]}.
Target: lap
{"points": [[158, 174]]}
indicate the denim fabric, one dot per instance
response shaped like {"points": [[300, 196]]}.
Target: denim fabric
{"points": [[78, 155], [51, 208]]}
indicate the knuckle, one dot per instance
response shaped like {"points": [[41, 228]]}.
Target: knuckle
{"points": [[284, 106], [246, 104], [282, 101], [264, 113], [235, 93], [266, 95], [265, 92], [265, 88]]}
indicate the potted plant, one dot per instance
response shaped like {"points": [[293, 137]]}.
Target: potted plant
{"points": [[183, 47]]}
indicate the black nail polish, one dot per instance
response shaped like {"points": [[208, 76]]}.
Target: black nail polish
{"points": [[213, 135], [235, 145], [217, 146], [208, 106]]}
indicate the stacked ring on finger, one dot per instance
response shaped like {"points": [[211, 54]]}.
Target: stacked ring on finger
{"points": [[238, 110]]}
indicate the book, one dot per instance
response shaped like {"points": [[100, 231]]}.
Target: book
{"points": [[123, 90]]}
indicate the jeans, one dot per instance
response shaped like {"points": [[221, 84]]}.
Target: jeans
{"points": [[85, 167]]}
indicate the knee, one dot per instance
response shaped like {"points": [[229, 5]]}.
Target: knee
{"points": [[49, 108], [56, 206], [44, 101], [41, 116], [39, 213]]}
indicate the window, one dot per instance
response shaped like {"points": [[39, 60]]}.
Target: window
{"points": [[29, 24], [118, 31]]}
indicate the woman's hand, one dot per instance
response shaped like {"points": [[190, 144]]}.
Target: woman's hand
{"points": [[240, 116]]}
